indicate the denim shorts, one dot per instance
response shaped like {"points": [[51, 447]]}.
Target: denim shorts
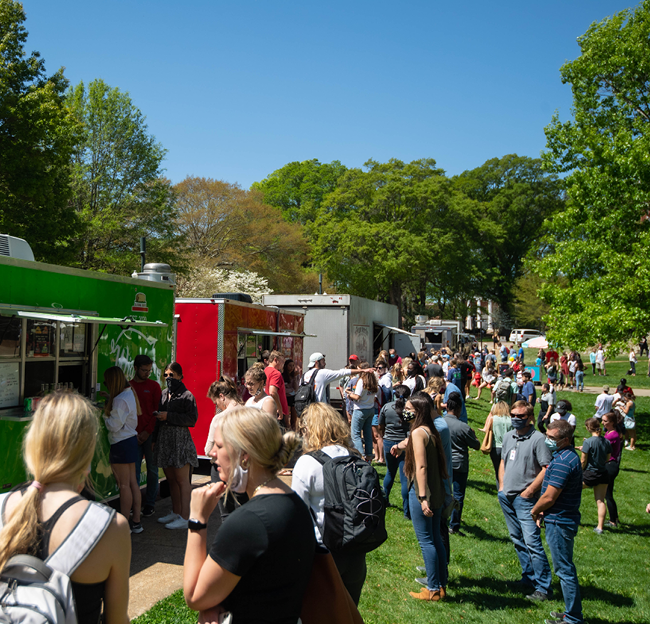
{"points": [[125, 451]]}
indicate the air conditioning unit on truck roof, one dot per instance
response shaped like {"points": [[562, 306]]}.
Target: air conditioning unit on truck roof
{"points": [[13, 247]]}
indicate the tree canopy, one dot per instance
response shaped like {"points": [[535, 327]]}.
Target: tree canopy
{"points": [[229, 227], [37, 137], [599, 244], [118, 189]]}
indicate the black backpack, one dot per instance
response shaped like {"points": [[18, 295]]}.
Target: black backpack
{"points": [[306, 394], [355, 509]]}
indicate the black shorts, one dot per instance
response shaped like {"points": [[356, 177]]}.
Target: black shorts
{"points": [[592, 477], [125, 451], [291, 400]]}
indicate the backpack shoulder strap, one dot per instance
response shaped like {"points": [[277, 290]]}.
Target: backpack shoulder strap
{"points": [[3, 502], [82, 539], [320, 457]]}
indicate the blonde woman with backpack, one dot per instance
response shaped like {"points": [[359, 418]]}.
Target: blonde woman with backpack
{"points": [[46, 516], [324, 430]]}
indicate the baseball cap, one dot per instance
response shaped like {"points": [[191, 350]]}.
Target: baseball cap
{"points": [[315, 357], [605, 388], [353, 357]]}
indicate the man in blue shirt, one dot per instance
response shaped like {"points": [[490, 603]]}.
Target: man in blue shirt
{"points": [[449, 388], [559, 505], [528, 389]]}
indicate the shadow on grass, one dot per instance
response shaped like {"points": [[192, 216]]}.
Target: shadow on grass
{"points": [[479, 533], [624, 469], [498, 596], [487, 488]]}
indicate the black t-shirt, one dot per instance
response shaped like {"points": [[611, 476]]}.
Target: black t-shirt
{"points": [[465, 372], [433, 370], [269, 542]]}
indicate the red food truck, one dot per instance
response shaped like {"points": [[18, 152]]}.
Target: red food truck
{"points": [[225, 336]]}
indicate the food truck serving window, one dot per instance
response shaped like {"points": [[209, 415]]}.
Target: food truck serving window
{"points": [[40, 351]]}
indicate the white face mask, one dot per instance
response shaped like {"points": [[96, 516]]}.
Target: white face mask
{"points": [[239, 480]]}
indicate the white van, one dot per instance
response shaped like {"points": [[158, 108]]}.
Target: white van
{"points": [[521, 335]]}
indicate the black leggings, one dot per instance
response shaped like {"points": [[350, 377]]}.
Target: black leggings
{"points": [[612, 468], [495, 456]]}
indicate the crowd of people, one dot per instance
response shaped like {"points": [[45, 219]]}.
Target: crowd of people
{"points": [[408, 414]]}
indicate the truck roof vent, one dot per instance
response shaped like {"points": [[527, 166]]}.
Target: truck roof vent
{"points": [[157, 272], [13, 247], [234, 297]]}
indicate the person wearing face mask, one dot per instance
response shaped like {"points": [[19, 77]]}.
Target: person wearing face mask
{"points": [[260, 561], [524, 458], [394, 426], [559, 506], [174, 450]]}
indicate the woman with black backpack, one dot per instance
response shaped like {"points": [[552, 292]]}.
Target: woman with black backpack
{"points": [[323, 429]]}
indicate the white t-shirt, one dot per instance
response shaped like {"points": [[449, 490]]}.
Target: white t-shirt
{"points": [[366, 399], [307, 482], [570, 418], [410, 382], [123, 419], [324, 376], [260, 404], [632, 356], [603, 404], [600, 356]]}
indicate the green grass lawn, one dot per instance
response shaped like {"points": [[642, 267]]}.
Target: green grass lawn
{"points": [[613, 568], [616, 368]]}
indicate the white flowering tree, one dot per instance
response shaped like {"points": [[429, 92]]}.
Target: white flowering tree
{"points": [[206, 281]]}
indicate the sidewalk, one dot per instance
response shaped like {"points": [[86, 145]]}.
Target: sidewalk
{"points": [[157, 556], [639, 392]]}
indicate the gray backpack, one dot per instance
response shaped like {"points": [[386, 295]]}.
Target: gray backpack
{"points": [[503, 390], [33, 591]]}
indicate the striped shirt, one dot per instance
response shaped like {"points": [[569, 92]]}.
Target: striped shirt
{"points": [[564, 473]]}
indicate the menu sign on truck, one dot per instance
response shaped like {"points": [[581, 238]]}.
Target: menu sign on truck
{"points": [[9, 384]]}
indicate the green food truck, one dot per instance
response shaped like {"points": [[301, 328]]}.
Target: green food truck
{"points": [[62, 328]]}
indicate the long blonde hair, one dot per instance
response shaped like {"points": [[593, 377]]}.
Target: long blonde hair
{"points": [[116, 382], [321, 425], [249, 430], [58, 448]]}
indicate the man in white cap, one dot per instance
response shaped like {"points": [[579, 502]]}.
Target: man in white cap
{"points": [[324, 376], [603, 403]]}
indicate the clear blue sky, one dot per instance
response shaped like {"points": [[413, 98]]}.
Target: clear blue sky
{"points": [[234, 90]]}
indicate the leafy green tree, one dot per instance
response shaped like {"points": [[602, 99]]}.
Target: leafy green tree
{"points": [[298, 188], [394, 232], [515, 196], [37, 137], [118, 189], [599, 244]]}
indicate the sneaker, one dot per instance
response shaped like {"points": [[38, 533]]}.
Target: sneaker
{"points": [[170, 517], [148, 511], [557, 615], [422, 581], [136, 527], [421, 569], [630, 448], [612, 525], [179, 523], [537, 596], [598, 531]]}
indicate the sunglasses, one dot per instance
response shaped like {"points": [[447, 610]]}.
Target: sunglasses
{"points": [[169, 374]]}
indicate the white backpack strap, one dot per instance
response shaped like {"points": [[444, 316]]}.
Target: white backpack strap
{"points": [[3, 501], [82, 539]]}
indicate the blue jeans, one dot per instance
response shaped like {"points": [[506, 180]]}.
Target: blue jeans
{"points": [[427, 530], [559, 538], [526, 536], [362, 423], [460, 485], [580, 380], [145, 450], [393, 464]]}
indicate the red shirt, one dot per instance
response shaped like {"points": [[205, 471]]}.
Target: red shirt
{"points": [[551, 355], [274, 378], [149, 393]]}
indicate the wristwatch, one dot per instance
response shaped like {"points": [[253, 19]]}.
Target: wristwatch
{"points": [[195, 525], [422, 498]]}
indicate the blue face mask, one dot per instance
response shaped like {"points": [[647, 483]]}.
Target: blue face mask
{"points": [[519, 423], [552, 445]]}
